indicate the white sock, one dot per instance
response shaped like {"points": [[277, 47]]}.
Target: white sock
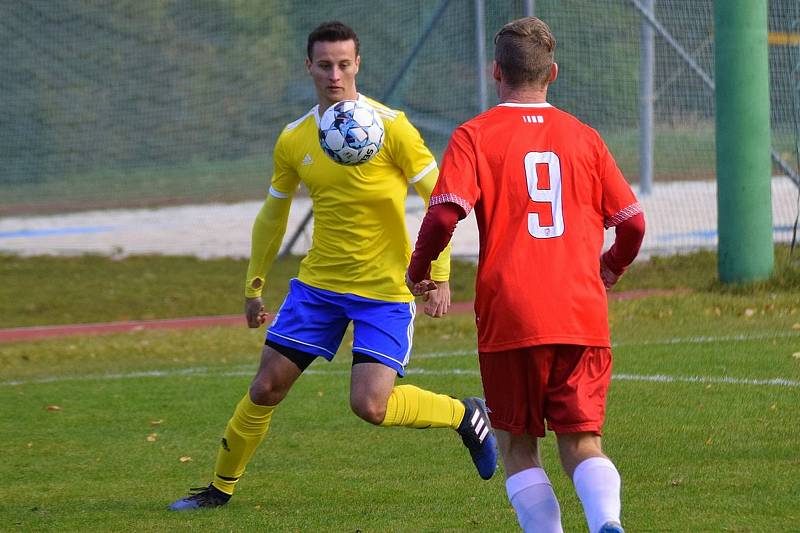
{"points": [[597, 483], [532, 497]]}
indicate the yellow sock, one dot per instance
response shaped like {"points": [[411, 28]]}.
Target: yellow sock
{"points": [[246, 429], [412, 407]]}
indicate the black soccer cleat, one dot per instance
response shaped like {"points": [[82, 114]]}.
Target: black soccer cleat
{"points": [[478, 437], [201, 497]]}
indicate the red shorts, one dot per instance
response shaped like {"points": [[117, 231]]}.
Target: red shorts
{"points": [[561, 383]]}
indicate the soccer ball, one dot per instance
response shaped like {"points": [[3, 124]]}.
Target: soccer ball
{"points": [[351, 132]]}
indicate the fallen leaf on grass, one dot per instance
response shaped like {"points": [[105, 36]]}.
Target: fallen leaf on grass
{"points": [[796, 355], [156, 422], [53, 408], [709, 441], [185, 459], [773, 407], [796, 325], [152, 437], [749, 312]]}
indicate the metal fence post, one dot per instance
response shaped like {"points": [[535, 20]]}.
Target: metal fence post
{"points": [[646, 73], [480, 53], [530, 8]]}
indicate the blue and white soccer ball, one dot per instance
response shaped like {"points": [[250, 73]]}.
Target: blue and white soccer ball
{"points": [[351, 132]]}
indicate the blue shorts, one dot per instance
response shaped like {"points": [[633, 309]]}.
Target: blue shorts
{"points": [[314, 321]]}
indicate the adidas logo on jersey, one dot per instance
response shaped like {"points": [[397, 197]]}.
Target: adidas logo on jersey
{"points": [[533, 119], [307, 160]]}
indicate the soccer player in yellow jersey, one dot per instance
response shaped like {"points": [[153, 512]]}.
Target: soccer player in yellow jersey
{"points": [[353, 272]]}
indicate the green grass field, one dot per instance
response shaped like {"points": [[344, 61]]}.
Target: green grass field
{"points": [[702, 422]]}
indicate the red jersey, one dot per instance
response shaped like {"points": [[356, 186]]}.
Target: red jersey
{"points": [[544, 186]]}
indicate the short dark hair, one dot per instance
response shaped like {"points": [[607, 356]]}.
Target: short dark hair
{"points": [[332, 32], [524, 50]]}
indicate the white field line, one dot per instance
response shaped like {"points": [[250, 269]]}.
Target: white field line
{"points": [[249, 369], [206, 372], [660, 378], [711, 339]]}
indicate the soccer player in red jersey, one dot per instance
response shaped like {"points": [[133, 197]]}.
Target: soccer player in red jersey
{"points": [[544, 186]]}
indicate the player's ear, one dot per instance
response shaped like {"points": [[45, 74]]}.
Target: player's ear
{"points": [[497, 74], [308, 65], [357, 64], [553, 72]]}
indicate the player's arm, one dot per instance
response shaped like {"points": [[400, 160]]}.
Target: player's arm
{"points": [[434, 236], [269, 228], [628, 238], [419, 166], [622, 212], [440, 265], [455, 194], [438, 296]]}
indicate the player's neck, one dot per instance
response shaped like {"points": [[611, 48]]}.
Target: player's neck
{"points": [[325, 103], [522, 95]]}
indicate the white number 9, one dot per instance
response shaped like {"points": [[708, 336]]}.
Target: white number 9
{"points": [[551, 195]]}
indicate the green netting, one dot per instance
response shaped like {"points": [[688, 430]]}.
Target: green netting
{"points": [[125, 103]]}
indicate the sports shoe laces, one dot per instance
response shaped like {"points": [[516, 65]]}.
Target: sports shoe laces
{"points": [[207, 495]]}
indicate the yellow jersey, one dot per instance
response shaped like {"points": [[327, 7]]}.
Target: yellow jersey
{"points": [[360, 243]]}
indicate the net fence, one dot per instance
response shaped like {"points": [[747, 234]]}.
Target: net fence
{"points": [[116, 103]]}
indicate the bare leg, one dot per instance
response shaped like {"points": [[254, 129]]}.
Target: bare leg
{"points": [[275, 377], [370, 387], [519, 452]]}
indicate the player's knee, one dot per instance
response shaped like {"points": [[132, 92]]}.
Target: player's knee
{"points": [[264, 391], [369, 410]]}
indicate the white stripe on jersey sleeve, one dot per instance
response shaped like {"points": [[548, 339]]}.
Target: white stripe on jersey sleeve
{"points": [[278, 194], [382, 109], [292, 125], [422, 173]]}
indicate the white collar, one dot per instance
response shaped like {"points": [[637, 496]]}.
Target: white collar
{"points": [[518, 104]]}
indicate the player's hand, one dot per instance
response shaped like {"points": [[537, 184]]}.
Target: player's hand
{"points": [[418, 289], [606, 274], [437, 301], [254, 312]]}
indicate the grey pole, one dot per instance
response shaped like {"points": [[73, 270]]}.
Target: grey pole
{"points": [[646, 74], [480, 42], [530, 8]]}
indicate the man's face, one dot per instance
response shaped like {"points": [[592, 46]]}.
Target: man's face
{"points": [[333, 67]]}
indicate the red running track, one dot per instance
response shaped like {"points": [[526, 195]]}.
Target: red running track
{"points": [[129, 326]]}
